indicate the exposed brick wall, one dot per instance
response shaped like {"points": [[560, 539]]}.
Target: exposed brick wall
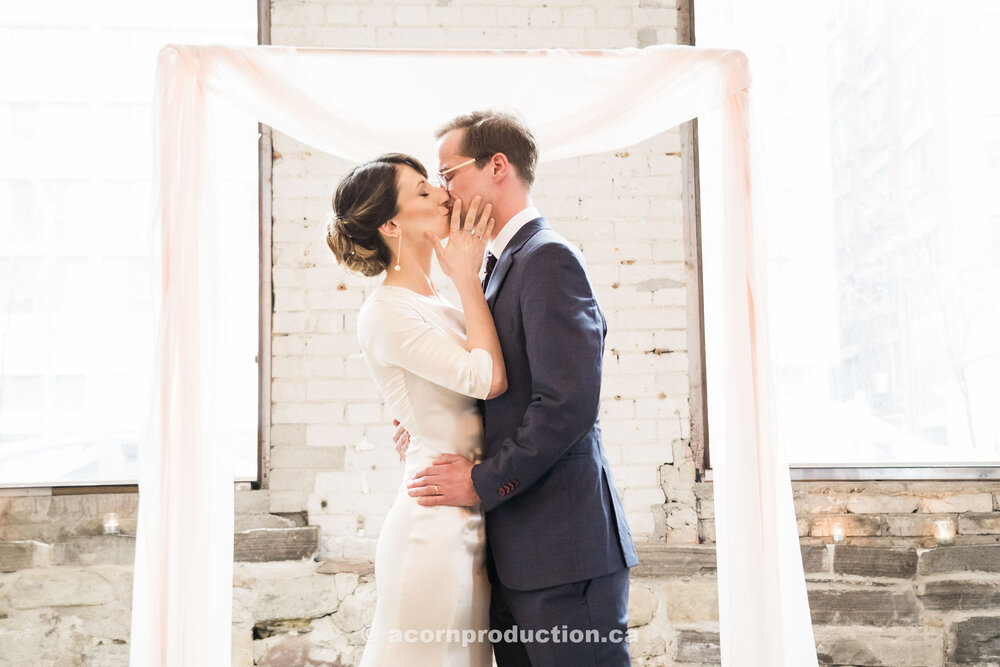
{"points": [[623, 209]]}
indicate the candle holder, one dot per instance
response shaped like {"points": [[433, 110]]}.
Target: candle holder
{"points": [[944, 532], [837, 532], [111, 526]]}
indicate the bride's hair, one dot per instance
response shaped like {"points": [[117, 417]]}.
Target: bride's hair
{"points": [[366, 198]]}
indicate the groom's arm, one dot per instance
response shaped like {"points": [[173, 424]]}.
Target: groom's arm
{"points": [[564, 339]]}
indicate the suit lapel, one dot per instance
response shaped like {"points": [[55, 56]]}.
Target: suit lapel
{"points": [[507, 257]]}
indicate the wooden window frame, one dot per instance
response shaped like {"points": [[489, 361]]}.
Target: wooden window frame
{"points": [[265, 153]]}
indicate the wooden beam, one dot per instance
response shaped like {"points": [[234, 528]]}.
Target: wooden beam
{"points": [[265, 157], [359, 567], [269, 544], [694, 293], [668, 560]]}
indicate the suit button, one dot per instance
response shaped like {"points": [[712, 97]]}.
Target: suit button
{"points": [[502, 491]]}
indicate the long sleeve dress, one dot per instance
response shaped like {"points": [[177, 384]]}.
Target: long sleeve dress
{"points": [[430, 561]]}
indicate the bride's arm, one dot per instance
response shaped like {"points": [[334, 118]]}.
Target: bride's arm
{"points": [[397, 334], [481, 332], [461, 261]]}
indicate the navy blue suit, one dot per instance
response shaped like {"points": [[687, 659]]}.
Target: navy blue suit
{"points": [[556, 531]]}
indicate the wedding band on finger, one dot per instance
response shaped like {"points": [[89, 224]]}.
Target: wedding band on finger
{"points": [[437, 490]]}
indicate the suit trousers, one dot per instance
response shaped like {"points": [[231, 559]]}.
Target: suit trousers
{"points": [[549, 627]]}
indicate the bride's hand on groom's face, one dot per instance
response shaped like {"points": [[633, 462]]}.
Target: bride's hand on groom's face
{"points": [[447, 482], [463, 256]]}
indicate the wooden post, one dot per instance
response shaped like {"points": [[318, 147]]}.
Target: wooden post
{"points": [[698, 397]]}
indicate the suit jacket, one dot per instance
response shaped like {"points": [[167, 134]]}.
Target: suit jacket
{"points": [[552, 513]]}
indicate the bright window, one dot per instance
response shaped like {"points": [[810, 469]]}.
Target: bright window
{"points": [[76, 310], [879, 124]]}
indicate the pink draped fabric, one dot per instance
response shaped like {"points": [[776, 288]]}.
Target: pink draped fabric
{"points": [[356, 104]]}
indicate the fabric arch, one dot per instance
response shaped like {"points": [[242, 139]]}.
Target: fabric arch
{"points": [[357, 103]]}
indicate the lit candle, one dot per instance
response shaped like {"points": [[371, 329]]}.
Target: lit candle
{"points": [[837, 531], [110, 523], [945, 532]]}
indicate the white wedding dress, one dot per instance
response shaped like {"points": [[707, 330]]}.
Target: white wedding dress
{"points": [[430, 561]]}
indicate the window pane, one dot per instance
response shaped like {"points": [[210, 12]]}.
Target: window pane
{"points": [[76, 308], [879, 126]]}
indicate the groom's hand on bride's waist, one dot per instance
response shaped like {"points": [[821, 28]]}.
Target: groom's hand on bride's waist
{"points": [[447, 482]]}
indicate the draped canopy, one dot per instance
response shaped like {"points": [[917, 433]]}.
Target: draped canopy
{"points": [[357, 104]]}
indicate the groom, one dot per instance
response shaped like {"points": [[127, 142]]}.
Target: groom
{"points": [[559, 549]]}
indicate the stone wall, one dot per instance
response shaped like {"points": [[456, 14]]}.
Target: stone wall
{"points": [[65, 588], [894, 606], [881, 514]]}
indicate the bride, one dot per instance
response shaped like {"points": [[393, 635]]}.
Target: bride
{"points": [[431, 361]]}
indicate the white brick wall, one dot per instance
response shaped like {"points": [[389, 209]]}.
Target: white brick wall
{"points": [[623, 210]]}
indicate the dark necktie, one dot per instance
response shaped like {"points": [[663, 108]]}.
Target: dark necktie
{"points": [[491, 262]]}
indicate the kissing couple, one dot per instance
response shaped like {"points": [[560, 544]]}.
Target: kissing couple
{"points": [[507, 536]]}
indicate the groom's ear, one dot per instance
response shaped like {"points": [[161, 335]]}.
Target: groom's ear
{"points": [[500, 167]]}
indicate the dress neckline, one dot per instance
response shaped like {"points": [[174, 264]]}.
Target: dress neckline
{"points": [[436, 298]]}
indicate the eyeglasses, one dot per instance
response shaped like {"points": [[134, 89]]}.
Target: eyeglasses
{"points": [[446, 181]]}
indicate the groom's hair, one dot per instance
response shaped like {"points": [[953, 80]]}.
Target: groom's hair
{"points": [[490, 132]]}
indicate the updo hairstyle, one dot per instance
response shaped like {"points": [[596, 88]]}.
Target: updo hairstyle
{"points": [[366, 198]]}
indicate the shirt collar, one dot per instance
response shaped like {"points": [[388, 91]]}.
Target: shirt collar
{"points": [[513, 225]]}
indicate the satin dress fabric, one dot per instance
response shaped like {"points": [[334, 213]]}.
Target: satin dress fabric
{"points": [[431, 583]]}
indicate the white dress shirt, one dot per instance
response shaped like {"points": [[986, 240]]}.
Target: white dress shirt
{"points": [[513, 225]]}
